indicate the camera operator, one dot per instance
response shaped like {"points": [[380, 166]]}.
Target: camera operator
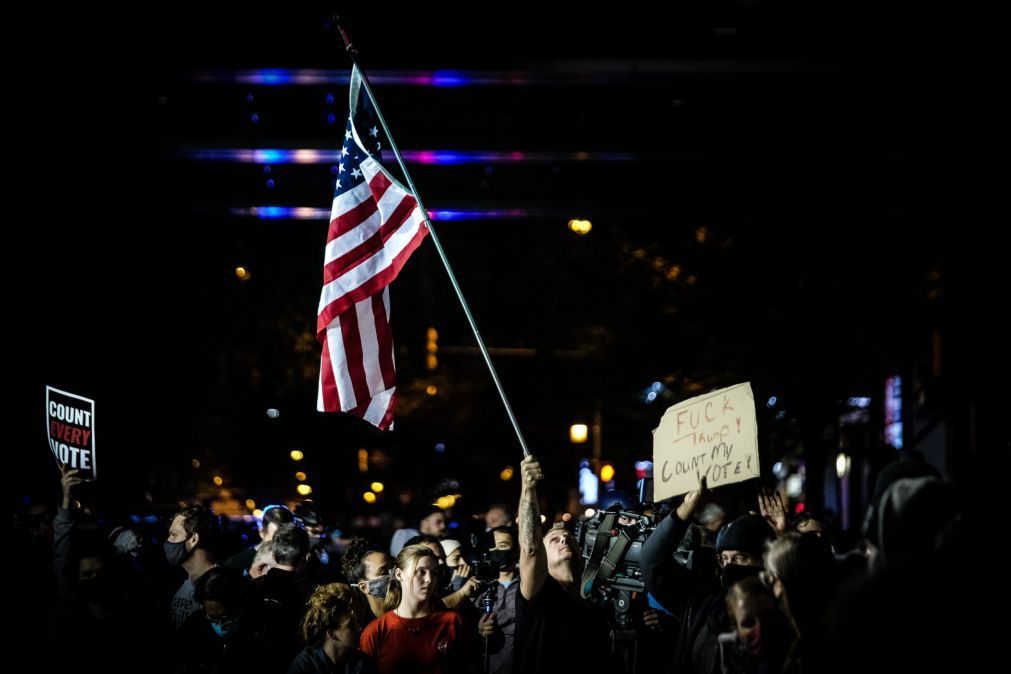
{"points": [[556, 630], [739, 546], [499, 597]]}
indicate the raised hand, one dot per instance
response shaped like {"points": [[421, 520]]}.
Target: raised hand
{"points": [[69, 481], [532, 473], [773, 509], [693, 500]]}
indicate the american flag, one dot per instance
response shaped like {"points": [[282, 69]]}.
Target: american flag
{"points": [[375, 225]]}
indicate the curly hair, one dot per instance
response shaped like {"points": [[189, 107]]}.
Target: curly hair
{"points": [[330, 607], [353, 561]]}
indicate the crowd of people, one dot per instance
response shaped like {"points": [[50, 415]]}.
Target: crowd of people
{"points": [[712, 591]]}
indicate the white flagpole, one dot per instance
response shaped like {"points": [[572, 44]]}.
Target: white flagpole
{"points": [[352, 52]]}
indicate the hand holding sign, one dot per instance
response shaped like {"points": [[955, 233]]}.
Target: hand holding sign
{"points": [[693, 500], [70, 423], [714, 436], [69, 480]]}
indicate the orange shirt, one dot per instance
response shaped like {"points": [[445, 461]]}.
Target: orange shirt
{"points": [[438, 643]]}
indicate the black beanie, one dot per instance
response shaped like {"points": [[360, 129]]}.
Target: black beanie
{"points": [[748, 533]]}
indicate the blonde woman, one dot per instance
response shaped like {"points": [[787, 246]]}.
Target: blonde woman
{"points": [[331, 628], [416, 633]]}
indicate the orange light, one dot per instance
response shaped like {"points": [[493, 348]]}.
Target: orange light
{"points": [[606, 472], [369, 497], [578, 433], [378, 487], [506, 474], [300, 476], [218, 481]]}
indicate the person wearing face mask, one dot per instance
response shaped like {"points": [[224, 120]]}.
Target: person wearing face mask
{"points": [[221, 637], [367, 569], [499, 626], [191, 543], [416, 634], [701, 599]]}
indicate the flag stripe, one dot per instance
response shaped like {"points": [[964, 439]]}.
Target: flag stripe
{"points": [[384, 337], [345, 222], [327, 383], [338, 356], [357, 284], [353, 354], [375, 243], [371, 346]]}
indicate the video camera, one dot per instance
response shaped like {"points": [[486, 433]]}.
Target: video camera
{"points": [[485, 570], [611, 544], [626, 571]]}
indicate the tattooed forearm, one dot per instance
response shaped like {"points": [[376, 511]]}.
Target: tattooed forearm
{"points": [[530, 517]]}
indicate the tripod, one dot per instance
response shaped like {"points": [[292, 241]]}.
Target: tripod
{"points": [[624, 637], [489, 596]]}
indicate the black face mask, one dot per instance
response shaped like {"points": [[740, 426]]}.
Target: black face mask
{"points": [[175, 553], [504, 558], [735, 573]]}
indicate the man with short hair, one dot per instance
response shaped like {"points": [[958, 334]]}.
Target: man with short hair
{"points": [[498, 515], [433, 523], [273, 517], [263, 561], [280, 597], [556, 629], [192, 540]]}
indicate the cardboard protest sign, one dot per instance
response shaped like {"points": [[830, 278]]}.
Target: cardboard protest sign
{"points": [[70, 425], [713, 435]]}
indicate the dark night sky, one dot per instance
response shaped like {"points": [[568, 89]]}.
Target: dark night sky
{"points": [[830, 158]]}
